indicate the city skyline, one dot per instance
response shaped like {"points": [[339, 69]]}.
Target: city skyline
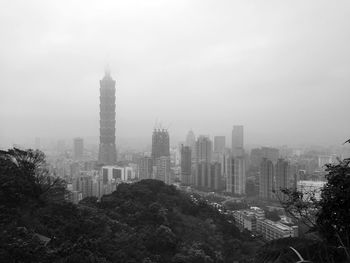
{"points": [[174, 131]]}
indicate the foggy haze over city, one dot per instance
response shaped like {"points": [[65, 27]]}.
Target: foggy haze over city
{"points": [[174, 131], [281, 69]]}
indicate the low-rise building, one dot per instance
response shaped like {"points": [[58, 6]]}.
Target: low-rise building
{"points": [[254, 220], [275, 230], [247, 218], [117, 173]]}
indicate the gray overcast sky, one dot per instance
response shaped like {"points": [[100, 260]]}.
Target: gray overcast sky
{"points": [[280, 68]]}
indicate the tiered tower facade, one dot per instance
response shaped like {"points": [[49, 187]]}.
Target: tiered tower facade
{"points": [[107, 152]]}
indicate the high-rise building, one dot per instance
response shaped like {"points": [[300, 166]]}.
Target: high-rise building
{"points": [[229, 173], [215, 176], [266, 186], [78, 148], [191, 142], [190, 139], [161, 156], [223, 161], [83, 184], [160, 143], [203, 149], [202, 174], [145, 167], [258, 154], [270, 153], [186, 165], [282, 177], [162, 169], [239, 175], [239, 181], [237, 141], [235, 174], [219, 144], [107, 152]]}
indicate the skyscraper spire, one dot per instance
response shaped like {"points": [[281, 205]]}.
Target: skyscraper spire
{"points": [[107, 70]]}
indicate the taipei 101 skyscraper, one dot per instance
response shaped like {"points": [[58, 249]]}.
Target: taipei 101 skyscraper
{"points": [[107, 152]]}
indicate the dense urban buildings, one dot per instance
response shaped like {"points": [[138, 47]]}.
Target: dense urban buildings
{"points": [[107, 152], [202, 165]]}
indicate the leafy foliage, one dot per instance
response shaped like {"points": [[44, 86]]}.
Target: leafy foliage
{"points": [[24, 178], [146, 221], [333, 217], [329, 217]]}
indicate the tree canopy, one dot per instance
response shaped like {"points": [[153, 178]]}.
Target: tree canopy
{"points": [[329, 216], [146, 221]]}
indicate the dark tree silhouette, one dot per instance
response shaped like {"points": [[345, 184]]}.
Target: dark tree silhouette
{"points": [[24, 177], [329, 217]]}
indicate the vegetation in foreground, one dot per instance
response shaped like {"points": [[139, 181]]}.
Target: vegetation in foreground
{"points": [[146, 221], [149, 221]]}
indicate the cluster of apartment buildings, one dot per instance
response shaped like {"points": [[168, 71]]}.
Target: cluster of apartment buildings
{"points": [[254, 220], [157, 165], [98, 182], [277, 173], [202, 164]]}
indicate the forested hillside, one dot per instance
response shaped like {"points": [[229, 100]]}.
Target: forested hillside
{"points": [[147, 221]]}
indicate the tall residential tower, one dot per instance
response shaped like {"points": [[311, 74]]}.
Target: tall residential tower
{"points": [[160, 143], [161, 155], [237, 141]]}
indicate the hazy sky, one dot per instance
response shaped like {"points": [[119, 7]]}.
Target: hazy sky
{"points": [[280, 68]]}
